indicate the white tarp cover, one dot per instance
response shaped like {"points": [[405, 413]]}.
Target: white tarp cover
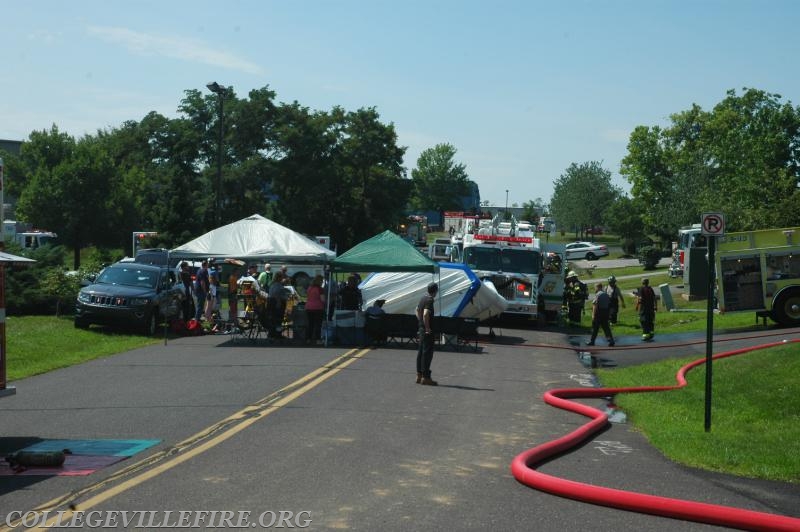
{"points": [[255, 238], [461, 293]]}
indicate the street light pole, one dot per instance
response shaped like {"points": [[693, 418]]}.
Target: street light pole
{"points": [[220, 92], [506, 216]]}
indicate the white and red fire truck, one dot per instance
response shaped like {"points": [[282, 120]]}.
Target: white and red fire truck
{"points": [[508, 254]]}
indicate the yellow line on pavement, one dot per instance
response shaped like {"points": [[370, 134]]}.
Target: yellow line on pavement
{"points": [[242, 419]]}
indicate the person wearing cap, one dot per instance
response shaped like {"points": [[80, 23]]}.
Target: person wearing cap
{"points": [[615, 294], [425, 313], [575, 293], [646, 305]]}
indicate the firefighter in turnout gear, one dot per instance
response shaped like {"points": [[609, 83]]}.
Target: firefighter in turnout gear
{"points": [[575, 295]]}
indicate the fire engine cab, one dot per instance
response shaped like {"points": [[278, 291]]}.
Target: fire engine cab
{"points": [[511, 257]]}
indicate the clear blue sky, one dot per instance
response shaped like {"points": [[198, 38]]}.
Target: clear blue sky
{"points": [[521, 89]]}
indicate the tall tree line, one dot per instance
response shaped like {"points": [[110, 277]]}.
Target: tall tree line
{"points": [[338, 173]]}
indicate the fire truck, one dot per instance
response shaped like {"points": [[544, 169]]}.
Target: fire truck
{"points": [[760, 271], [508, 254], [414, 228], [25, 235], [687, 239]]}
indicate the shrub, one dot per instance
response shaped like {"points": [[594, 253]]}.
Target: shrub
{"points": [[649, 257]]}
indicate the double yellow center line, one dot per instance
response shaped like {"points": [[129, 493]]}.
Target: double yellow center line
{"points": [[187, 449]]}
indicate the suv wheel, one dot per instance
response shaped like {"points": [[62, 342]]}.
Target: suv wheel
{"points": [[150, 323], [81, 324]]}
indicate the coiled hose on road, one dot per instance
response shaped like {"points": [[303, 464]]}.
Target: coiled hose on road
{"points": [[523, 466]]}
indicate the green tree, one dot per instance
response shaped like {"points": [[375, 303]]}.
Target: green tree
{"points": [[72, 197], [624, 219], [582, 195], [338, 173], [439, 182], [740, 159]]}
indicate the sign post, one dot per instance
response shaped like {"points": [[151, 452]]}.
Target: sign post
{"points": [[712, 226]]}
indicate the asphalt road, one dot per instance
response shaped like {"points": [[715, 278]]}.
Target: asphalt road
{"points": [[346, 435]]}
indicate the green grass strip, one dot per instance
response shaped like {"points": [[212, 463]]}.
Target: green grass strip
{"points": [[38, 344], [755, 419]]}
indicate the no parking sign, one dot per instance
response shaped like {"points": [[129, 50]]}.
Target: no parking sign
{"points": [[712, 224]]}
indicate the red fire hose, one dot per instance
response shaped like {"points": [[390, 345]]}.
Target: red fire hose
{"points": [[523, 465]]}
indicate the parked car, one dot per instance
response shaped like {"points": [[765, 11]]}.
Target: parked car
{"points": [[594, 231], [585, 250], [129, 294]]}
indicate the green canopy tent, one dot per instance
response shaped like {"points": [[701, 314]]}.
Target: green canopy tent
{"points": [[385, 252]]}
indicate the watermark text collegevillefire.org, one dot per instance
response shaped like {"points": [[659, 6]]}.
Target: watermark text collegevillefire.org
{"points": [[146, 519]]}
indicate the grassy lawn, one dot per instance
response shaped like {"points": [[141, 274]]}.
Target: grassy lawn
{"points": [[755, 419], [38, 344]]}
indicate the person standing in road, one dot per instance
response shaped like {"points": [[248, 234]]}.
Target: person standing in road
{"points": [[646, 306], [425, 312], [615, 294], [600, 313]]}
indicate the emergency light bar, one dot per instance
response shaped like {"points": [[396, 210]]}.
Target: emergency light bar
{"points": [[497, 238]]}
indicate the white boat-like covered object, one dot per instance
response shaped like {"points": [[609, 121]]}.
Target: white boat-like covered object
{"points": [[461, 293]]}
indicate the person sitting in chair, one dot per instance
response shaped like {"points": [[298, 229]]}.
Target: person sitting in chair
{"points": [[374, 322]]}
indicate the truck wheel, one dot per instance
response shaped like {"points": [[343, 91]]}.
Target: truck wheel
{"points": [[786, 308]]}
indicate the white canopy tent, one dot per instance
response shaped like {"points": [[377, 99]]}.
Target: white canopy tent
{"points": [[255, 238]]}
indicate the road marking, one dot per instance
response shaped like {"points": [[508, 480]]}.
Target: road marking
{"points": [[189, 448]]}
